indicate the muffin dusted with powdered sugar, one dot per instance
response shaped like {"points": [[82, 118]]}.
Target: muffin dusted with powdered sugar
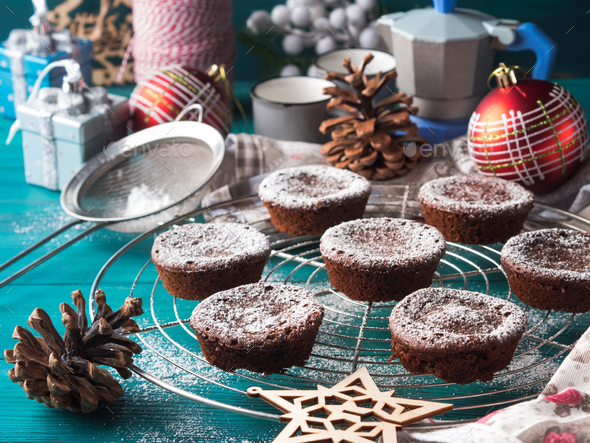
{"points": [[475, 209], [311, 199], [262, 327], [459, 336], [381, 259], [550, 269], [196, 260]]}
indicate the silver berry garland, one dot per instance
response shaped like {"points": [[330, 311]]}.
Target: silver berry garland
{"points": [[323, 25]]}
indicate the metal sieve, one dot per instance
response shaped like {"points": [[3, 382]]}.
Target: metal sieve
{"points": [[142, 180]]}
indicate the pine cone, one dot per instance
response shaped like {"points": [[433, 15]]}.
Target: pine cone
{"points": [[370, 140], [62, 373]]}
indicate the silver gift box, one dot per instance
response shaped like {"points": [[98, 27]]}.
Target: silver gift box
{"points": [[56, 144]]}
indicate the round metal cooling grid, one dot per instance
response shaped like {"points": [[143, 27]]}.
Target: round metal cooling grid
{"points": [[286, 249], [356, 361]]}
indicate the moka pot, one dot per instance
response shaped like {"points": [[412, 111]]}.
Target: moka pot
{"points": [[445, 54]]}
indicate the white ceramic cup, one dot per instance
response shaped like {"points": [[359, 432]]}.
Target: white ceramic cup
{"points": [[290, 108], [332, 62]]}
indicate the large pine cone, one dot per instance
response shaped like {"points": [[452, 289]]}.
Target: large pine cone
{"points": [[371, 140], [62, 373]]}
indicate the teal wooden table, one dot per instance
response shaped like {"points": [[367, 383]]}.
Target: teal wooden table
{"points": [[146, 413]]}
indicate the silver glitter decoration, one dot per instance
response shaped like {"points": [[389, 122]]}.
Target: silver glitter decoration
{"points": [[48, 149]]}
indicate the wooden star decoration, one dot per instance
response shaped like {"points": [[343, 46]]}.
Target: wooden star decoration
{"points": [[351, 411]]}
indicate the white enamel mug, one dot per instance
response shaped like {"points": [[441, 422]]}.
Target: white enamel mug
{"points": [[291, 108], [332, 62]]}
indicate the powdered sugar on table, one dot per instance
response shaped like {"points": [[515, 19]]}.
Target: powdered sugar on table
{"points": [[476, 194], [388, 241], [309, 186], [214, 245], [442, 320]]}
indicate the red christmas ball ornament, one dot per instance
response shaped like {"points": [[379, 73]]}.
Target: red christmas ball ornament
{"points": [[161, 97], [529, 131]]}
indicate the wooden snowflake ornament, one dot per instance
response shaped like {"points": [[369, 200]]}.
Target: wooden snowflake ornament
{"points": [[352, 411]]}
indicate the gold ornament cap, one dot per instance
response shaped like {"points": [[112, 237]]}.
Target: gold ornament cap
{"points": [[505, 75]]}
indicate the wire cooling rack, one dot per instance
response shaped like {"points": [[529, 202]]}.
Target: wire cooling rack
{"points": [[353, 333]]}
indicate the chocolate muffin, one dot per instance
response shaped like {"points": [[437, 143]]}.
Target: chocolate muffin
{"points": [[381, 259], [550, 269], [311, 199], [459, 336], [197, 260], [262, 327], [475, 209]]}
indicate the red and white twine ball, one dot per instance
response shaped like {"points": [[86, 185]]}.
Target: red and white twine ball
{"points": [[194, 34]]}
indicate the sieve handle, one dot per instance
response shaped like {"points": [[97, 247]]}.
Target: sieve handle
{"points": [[188, 109]]}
